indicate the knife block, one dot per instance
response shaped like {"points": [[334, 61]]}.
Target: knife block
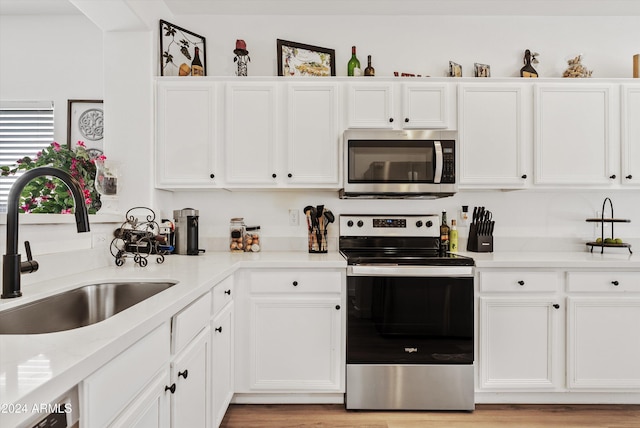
{"points": [[479, 243]]}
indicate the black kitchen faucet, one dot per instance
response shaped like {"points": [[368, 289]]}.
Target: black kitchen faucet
{"points": [[12, 266]]}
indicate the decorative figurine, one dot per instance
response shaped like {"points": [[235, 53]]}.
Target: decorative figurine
{"points": [[576, 69], [528, 70], [242, 57]]}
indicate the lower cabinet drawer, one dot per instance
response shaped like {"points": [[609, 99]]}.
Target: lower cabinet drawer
{"points": [[107, 392], [190, 321], [519, 281], [603, 281], [223, 293], [296, 281]]}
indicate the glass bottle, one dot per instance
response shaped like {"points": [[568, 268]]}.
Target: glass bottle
{"points": [[453, 237], [369, 71], [444, 234], [353, 67], [196, 64]]}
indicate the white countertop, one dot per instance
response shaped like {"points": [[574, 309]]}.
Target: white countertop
{"points": [[36, 368], [566, 260]]}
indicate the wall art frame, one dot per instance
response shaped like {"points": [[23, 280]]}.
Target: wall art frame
{"points": [[179, 48], [85, 122], [299, 59]]}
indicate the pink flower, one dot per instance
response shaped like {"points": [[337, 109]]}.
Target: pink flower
{"points": [[66, 211], [56, 146], [25, 208], [87, 201], [81, 143], [87, 193], [50, 185]]}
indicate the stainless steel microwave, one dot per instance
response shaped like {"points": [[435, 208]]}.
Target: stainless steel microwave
{"points": [[399, 164]]}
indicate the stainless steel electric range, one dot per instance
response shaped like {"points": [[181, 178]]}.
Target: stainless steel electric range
{"points": [[410, 316]]}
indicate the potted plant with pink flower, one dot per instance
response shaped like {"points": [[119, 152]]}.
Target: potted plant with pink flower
{"points": [[50, 195]]}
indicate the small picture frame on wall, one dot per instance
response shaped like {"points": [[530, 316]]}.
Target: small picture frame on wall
{"points": [[182, 52], [455, 69], [85, 122], [482, 70], [298, 59]]}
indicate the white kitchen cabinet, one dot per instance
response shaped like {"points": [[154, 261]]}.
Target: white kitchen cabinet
{"points": [[630, 138], [603, 347], [222, 358], [494, 134], [519, 331], [186, 144], [251, 133], [151, 409], [574, 141], [421, 105], [313, 135], [294, 322]]}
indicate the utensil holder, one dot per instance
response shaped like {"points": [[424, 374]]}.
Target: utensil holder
{"points": [[479, 243], [317, 240]]}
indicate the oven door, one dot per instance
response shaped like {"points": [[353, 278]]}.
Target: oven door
{"points": [[400, 318]]}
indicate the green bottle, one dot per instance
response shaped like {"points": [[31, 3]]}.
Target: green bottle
{"points": [[353, 68]]}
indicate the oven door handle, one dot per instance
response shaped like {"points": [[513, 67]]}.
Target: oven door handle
{"points": [[437, 175], [415, 271]]}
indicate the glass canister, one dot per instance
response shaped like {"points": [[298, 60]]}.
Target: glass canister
{"points": [[236, 235], [252, 239]]}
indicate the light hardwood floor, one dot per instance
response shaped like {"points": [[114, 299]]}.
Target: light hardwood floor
{"points": [[485, 416]]}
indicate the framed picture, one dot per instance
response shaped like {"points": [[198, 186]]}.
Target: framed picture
{"points": [[85, 122], [182, 53], [482, 70], [298, 59], [455, 70]]}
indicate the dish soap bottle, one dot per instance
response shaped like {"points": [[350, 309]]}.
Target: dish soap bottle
{"points": [[453, 237]]}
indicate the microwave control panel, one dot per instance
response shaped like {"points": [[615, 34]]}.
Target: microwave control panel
{"points": [[448, 162]]}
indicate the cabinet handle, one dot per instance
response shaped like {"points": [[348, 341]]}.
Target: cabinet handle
{"points": [[289, 175], [613, 177], [337, 307], [616, 283], [295, 283], [184, 374], [524, 176], [629, 177], [521, 282], [557, 306], [219, 329], [273, 175], [212, 176], [390, 120], [171, 388], [406, 120], [228, 292]]}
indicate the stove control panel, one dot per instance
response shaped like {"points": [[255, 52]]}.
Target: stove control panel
{"points": [[390, 225]]}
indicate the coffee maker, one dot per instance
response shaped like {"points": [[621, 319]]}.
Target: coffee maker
{"points": [[186, 221]]}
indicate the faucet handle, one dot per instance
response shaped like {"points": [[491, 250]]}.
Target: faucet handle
{"points": [[30, 265]]}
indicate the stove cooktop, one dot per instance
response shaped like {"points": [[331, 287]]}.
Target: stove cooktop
{"points": [[415, 259]]}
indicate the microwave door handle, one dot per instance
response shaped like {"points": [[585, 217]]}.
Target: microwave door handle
{"points": [[437, 176]]}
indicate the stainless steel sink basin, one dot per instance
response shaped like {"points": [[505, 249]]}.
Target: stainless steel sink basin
{"points": [[79, 307]]}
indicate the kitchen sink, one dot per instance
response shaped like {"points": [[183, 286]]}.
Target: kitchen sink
{"points": [[79, 307]]}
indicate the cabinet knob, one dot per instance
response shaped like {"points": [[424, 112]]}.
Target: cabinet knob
{"points": [[212, 176], [616, 283], [613, 177], [184, 373], [228, 292], [273, 175], [171, 388], [289, 175], [390, 120], [406, 120], [629, 177], [524, 176], [219, 329], [557, 306], [337, 307], [521, 282], [295, 283]]}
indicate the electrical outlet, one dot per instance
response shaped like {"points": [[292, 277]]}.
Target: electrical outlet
{"points": [[294, 217]]}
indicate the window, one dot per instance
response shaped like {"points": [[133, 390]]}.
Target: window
{"points": [[26, 127]]}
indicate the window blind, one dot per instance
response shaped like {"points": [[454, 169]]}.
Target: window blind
{"points": [[26, 127]]}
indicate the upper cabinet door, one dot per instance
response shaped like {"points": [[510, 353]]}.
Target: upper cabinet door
{"points": [[494, 128], [186, 152], [370, 105], [574, 138], [425, 105], [630, 126], [312, 134], [251, 133]]}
